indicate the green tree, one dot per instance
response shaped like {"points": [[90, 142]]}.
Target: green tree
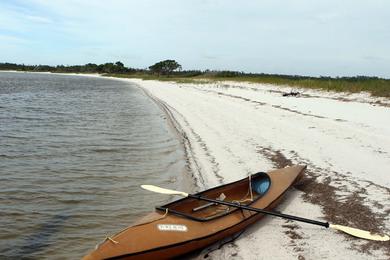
{"points": [[165, 67], [120, 67], [119, 64]]}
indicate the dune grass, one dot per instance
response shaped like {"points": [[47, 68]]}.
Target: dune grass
{"points": [[375, 86]]}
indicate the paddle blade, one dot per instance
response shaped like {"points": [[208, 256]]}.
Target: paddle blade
{"points": [[163, 190], [360, 233]]}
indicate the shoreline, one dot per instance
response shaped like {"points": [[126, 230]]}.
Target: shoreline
{"points": [[185, 184]]}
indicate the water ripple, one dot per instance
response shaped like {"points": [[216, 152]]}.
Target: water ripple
{"points": [[73, 152]]}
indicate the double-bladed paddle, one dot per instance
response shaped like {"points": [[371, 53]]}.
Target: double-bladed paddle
{"points": [[351, 231]]}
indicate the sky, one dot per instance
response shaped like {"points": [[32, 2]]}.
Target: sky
{"points": [[300, 37]]}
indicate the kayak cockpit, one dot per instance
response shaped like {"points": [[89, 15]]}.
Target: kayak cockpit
{"points": [[244, 192]]}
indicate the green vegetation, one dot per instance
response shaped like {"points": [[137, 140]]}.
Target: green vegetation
{"points": [[117, 67], [170, 70], [165, 67], [374, 85]]}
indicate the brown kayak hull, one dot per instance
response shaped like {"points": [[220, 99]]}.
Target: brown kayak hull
{"points": [[145, 241]]}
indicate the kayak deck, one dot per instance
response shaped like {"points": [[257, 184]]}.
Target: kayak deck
{"points": [[165, 234], [244, 193]]}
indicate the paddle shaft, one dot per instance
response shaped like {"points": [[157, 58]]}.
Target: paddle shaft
{"points": [[276, 214], [351, 231]]}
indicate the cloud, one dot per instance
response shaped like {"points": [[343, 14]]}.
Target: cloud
{"points": [[38, 19], [374, 58], [13, 39], [210, 57], [20, 19]]}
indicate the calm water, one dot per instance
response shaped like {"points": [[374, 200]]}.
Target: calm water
{"points": [[73, 152]]}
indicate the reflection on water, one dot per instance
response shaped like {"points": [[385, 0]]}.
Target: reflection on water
{"points": [[73, 152]]}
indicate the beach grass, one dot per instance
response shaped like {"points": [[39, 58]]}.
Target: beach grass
{"points": [[375, 86]]}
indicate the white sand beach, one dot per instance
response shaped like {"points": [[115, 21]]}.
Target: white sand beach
{"points": [[231, 130]]}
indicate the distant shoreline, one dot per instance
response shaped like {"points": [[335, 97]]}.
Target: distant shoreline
{"points": [[55, 73]]}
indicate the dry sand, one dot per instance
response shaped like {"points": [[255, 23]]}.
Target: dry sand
{"points": [[231, 130]]}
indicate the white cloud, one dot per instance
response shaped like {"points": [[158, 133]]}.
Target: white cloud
{"points": [[38, 19], [12, 39]]}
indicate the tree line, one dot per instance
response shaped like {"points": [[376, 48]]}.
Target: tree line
{"points": [[109, 67], [166, 68]]}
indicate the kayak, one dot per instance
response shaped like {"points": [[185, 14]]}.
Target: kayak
{"points": [[190, 224]]}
